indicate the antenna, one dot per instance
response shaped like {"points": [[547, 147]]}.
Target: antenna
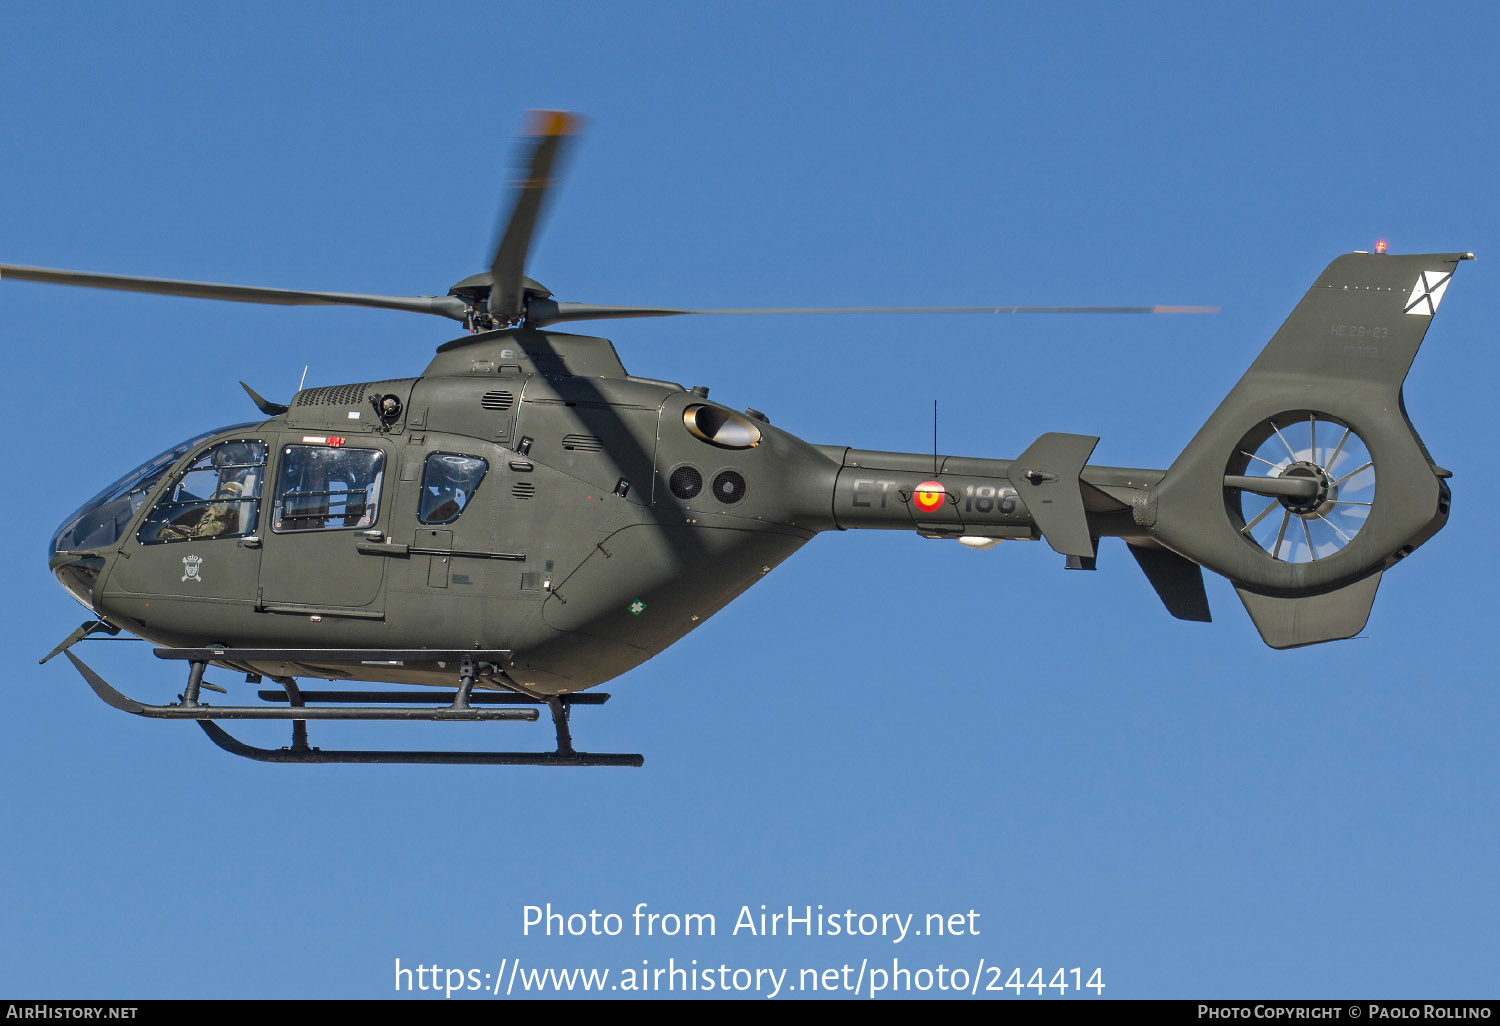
{"points": [[304, 378], [934, 439]]}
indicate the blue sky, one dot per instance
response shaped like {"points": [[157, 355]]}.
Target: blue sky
{"points": [[885, 724]]}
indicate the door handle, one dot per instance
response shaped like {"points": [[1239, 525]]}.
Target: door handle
{"points": [[382, 549]]}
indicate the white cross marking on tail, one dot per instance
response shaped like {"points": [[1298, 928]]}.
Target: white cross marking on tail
{"points": [[1427, 293]]}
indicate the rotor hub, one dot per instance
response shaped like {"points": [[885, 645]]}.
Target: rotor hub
{"points": [[476, 290], [1322, 501]]}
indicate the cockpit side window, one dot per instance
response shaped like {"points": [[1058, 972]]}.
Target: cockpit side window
{"points": [[103, 519], [448, 484], [323, 487], [217, 496]]}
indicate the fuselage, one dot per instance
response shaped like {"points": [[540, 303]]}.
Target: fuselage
{"points": [[523, 494]]}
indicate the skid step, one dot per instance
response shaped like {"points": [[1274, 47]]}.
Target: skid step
{"points": [[202, 711], [418, 697], [374, 656]]}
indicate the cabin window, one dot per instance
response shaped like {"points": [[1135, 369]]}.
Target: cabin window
{"points": [[321, 487], [448, 484], [217, 496]]}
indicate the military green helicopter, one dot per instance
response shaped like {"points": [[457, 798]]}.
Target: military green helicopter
{"points": [[525, 520]]}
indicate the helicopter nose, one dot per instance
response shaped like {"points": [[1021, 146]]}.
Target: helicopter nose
{"points": [[78, 574]]}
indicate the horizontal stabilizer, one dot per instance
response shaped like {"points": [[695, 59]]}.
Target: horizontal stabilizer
{"points": [[1178, 582], [1294, 622], [1046, 477]]}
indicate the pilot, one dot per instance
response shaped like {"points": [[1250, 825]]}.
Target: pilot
{"points": [[235, 461]]}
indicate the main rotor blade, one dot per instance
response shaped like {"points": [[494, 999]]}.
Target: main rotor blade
{"points": [[550, 129], [547, 311], [442, 306]]}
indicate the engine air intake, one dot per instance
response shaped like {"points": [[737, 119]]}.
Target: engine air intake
{"points": [[729, 487], [685, 482], [720, 427]]}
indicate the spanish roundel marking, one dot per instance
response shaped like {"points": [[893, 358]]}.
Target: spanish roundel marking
{"points": [[929, 496]]}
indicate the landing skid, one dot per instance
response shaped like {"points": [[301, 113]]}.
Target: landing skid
{"points": [[221, 737], [463, 706]]}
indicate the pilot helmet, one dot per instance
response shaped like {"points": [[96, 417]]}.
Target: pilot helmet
{"points": [[234, 454]]}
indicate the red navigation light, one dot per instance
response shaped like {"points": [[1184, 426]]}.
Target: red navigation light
{"points": [[1380, 246]]}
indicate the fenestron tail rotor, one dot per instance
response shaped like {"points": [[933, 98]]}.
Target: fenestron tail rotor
{"points": [[1306, 488], [503, 296]]}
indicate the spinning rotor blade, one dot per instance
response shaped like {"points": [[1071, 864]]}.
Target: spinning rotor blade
{"points": [[546, 311], [550, 129], [504, 296], [442, 306]]}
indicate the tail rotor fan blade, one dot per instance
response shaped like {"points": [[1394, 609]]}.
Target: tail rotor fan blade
{"points": [[1334, 491]]}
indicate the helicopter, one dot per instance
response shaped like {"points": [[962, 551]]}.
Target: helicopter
{"points": [[525, 520]]}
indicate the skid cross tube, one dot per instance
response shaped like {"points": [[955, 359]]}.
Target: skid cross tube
{"points": [[386, 707], [294, 697]]}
